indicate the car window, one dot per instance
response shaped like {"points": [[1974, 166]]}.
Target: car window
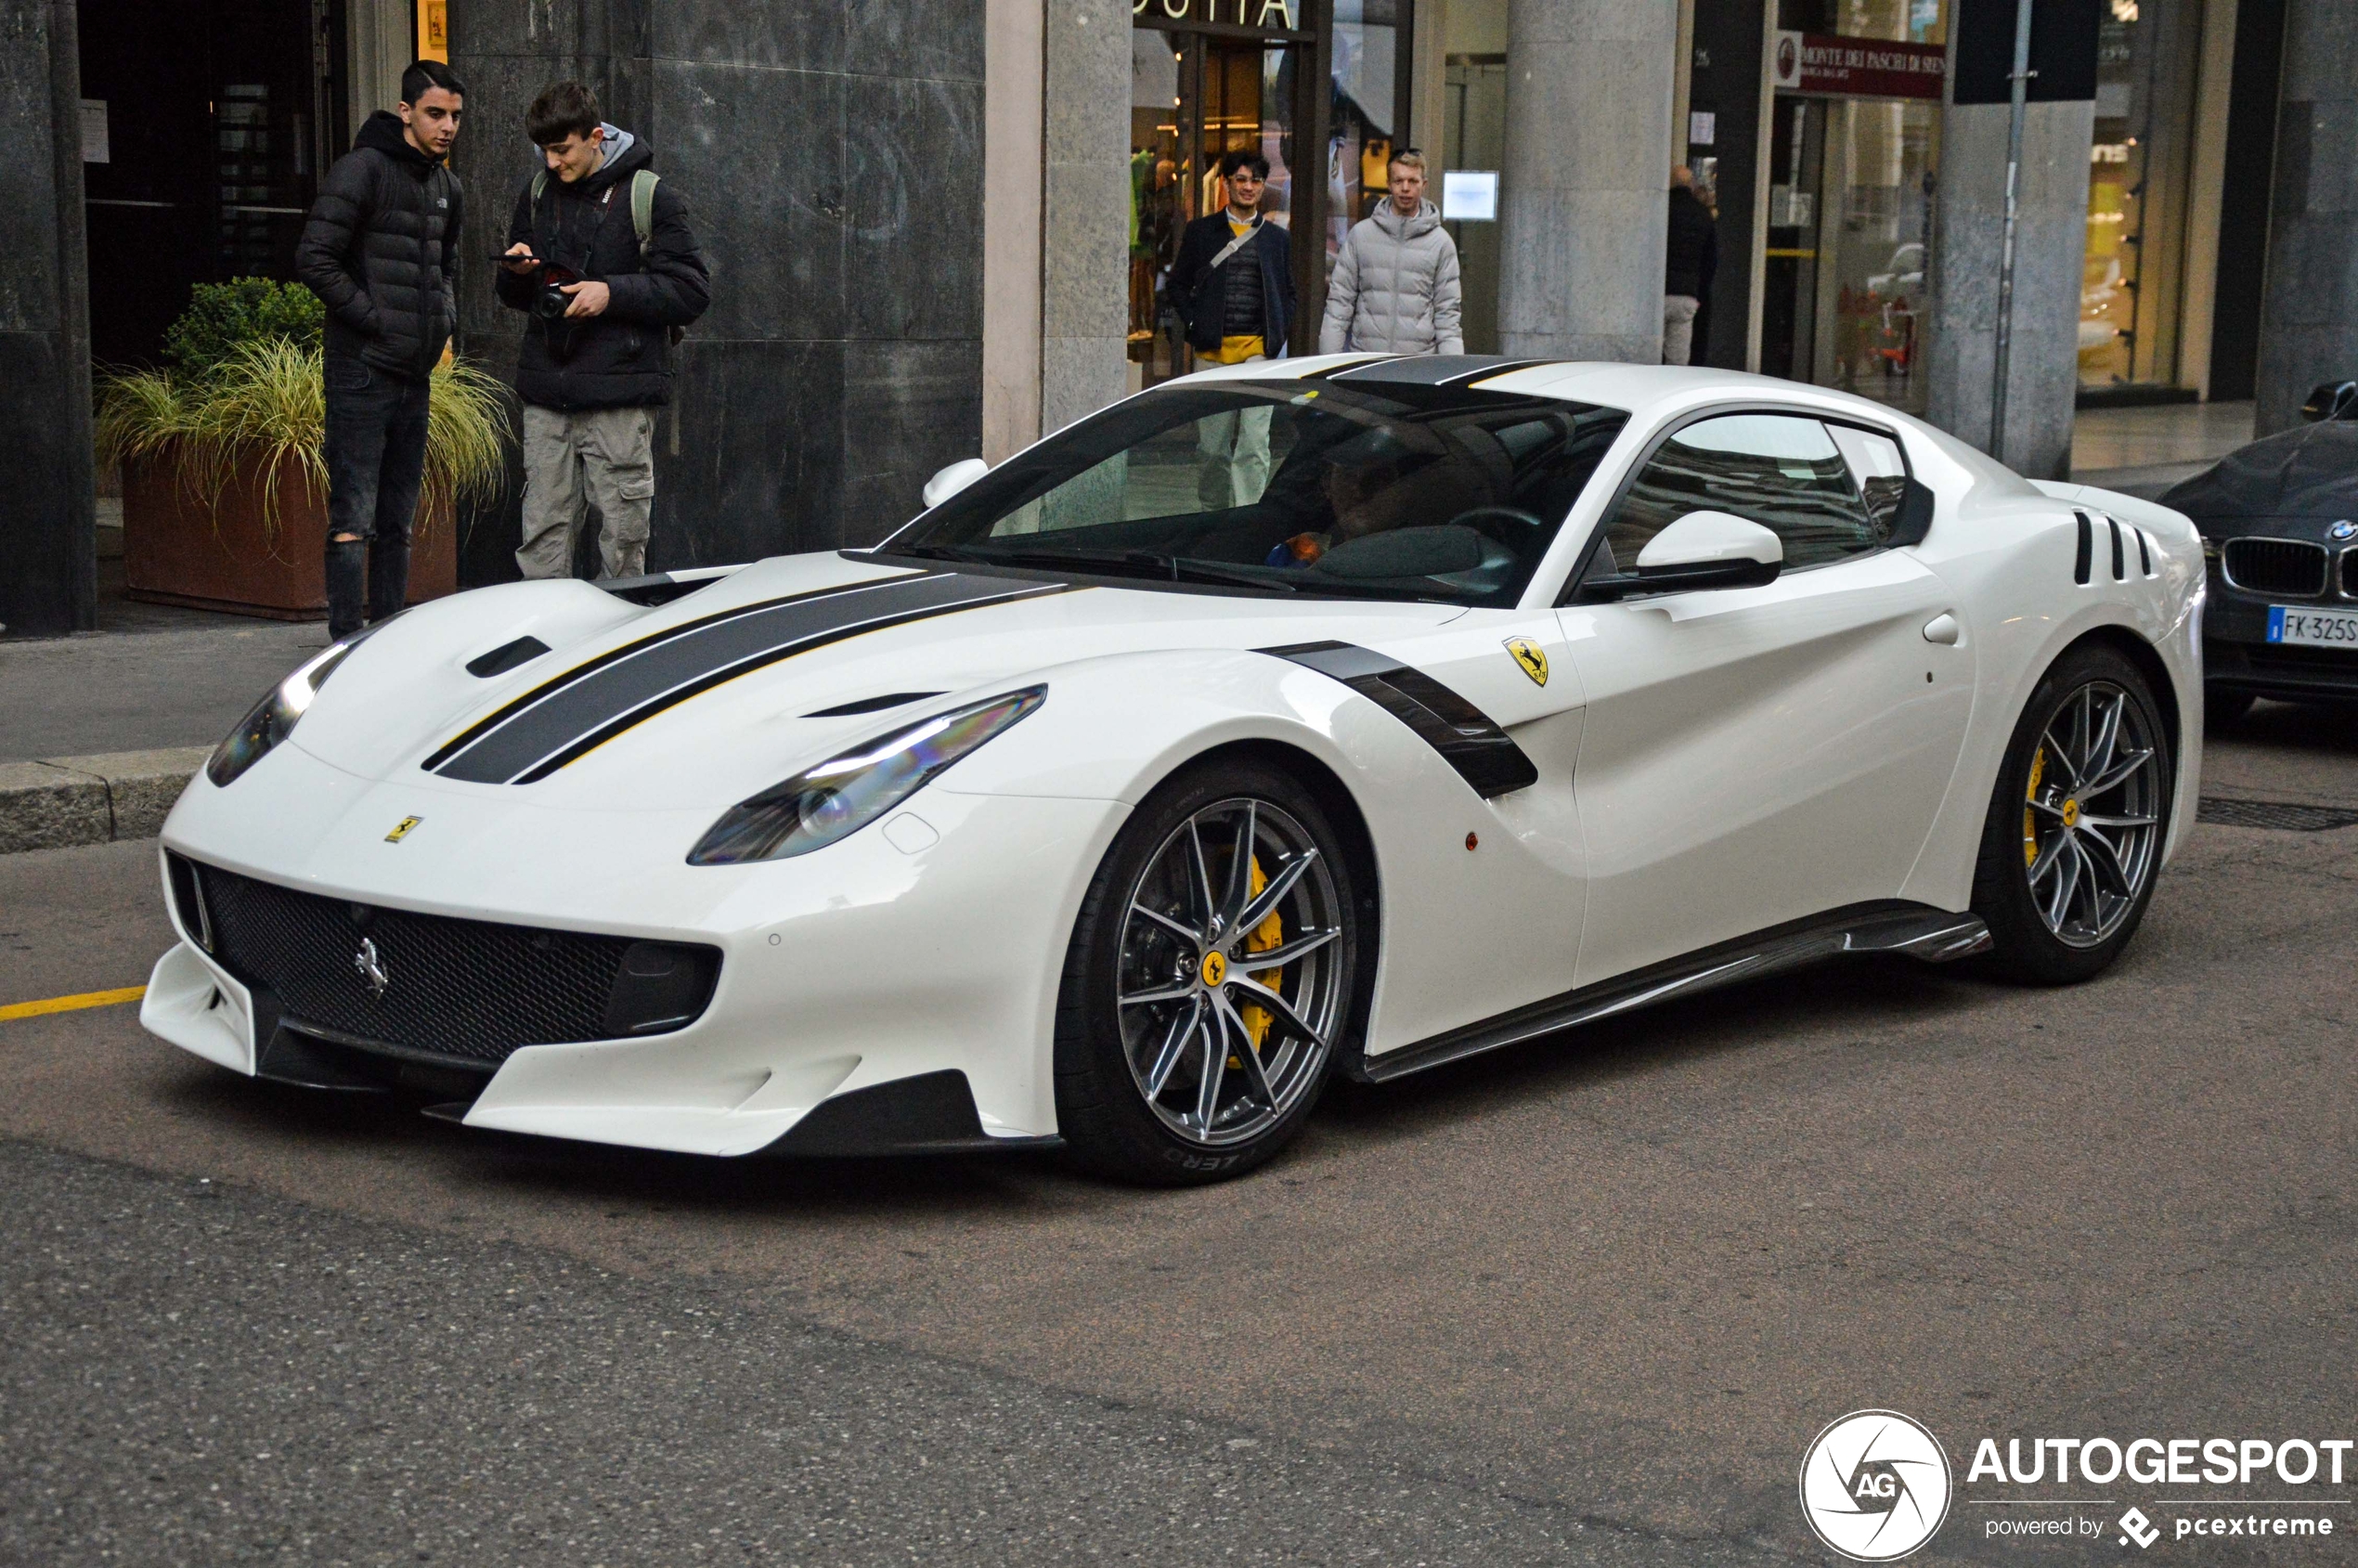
{"points": [[1781, 471], [1416, 492], [1881, 473]]}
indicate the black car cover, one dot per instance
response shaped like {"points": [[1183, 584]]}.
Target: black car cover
{"points": [[2311, 472]]}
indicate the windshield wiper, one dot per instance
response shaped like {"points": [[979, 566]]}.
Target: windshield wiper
{"points": [[1188, 569]]}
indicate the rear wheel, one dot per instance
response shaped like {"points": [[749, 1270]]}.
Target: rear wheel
{"points": [[1210, 981], [2074, 837]]}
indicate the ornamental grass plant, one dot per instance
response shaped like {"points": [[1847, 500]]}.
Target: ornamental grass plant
{"points": [[244, 394]]}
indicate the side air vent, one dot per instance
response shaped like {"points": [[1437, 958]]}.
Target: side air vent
{"points": [[2286, 566], [2080, 562], [2120, 555], [2145, 554]]}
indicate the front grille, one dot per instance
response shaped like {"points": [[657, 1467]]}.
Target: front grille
{"points": [[2285, 567], [2294, 659], [470, 990], [2350, 573]]}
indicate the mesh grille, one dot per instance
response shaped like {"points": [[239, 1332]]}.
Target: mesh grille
{"points": [[2276, 566], [467, 990], [2287, 815]]}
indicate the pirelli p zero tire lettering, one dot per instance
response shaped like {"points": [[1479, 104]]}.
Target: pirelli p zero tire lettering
{"points": [[1210, 981], [2073, 843]]}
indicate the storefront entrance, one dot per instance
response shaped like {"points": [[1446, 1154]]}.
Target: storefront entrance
{"points": [[1849, 225], [1285, 79]]}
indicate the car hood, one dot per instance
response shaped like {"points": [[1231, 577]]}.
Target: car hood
{"points": [[727, 689], [2310, 473]]}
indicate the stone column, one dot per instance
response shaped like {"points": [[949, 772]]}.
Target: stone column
{"points": [[2309, 312], [1084, 234], [2051, 240], [1584, 189], [48, 583]]}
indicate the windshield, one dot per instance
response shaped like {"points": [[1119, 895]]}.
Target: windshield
{"points": [[1397, 492]]}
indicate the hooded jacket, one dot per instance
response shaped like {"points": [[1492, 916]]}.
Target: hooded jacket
{"points": [[1395, 287], [380, 248], [622, 358]]}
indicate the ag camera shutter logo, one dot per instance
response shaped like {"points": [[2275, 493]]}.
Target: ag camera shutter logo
{"points": [[1875, 1485]]}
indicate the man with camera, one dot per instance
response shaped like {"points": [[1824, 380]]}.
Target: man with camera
{"points": [[600, 259]]}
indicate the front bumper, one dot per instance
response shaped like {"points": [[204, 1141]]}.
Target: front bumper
{"points": [[862, 966], [2237, 656]]}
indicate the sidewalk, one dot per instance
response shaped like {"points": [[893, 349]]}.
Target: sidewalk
{"points": [[2144, 451], [100, 730]]}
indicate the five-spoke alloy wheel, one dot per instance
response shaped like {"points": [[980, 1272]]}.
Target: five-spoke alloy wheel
{"points": [[1210, 983], [2075, 829]]}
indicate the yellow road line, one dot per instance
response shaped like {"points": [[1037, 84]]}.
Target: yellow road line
{"points": [[68, 1003]]}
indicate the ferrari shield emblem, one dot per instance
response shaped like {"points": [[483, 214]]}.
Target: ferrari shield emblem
{"points": [[1529, 654], [401, 829]]}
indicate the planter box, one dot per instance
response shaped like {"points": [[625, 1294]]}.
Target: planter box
{"points": [[177, 551]]}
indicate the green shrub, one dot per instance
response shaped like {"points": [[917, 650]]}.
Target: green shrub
{"points": [[224, 318]]}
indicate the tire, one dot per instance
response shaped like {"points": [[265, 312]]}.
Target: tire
{"points": [[2066, 871], [2223, 709], [1144, 1007]]}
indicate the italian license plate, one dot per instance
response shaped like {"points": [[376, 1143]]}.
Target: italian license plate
{"points": [[2313, 629]]}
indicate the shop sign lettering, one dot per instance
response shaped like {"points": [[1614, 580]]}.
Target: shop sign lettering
{"points": [[1857, 68], [1269, 14]]}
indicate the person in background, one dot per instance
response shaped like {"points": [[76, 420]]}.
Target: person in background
{"points": [[1691, 257], [1233, 288], [380, 250], [1395, 287], [608, 273]]}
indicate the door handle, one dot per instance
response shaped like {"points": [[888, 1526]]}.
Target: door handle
{"points": [[1943, 628]]}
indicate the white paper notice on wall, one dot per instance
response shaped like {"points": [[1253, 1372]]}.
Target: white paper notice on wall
{"points": [[94, 131], [1469, 195], [1703, 127]]}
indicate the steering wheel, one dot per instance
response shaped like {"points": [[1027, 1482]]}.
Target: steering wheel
{"points": [[1489, 520]]}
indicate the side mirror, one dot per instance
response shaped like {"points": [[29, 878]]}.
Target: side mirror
{"points": [[2331, 400], [952, 480], [1702, 550]]}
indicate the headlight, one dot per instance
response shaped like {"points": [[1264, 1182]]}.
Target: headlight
{"points": [[274, 718], [844, 794]]}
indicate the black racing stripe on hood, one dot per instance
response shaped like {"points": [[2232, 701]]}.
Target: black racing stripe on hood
{"points": [[1466, 738], [549, 727]]}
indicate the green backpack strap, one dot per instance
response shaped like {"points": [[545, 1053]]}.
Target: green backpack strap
{"points": [[642, 208], [539, 184]]}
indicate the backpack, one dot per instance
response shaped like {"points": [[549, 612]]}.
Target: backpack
{"points": [[642, 217]]}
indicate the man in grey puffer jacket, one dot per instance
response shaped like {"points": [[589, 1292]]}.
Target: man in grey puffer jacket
{"points": [[1394, 288]]}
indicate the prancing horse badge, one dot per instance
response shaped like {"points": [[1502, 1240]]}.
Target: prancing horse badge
{"points": [[401, 829], [1528, 655]]}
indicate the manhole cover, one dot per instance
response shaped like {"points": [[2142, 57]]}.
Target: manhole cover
{"points": [[2288, 816]]}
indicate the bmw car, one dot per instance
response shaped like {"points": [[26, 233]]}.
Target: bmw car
{"points": [[1333, 717], [2279, 524]]}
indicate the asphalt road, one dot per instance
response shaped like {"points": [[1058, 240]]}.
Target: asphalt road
{"points": [[1586, 1300]]}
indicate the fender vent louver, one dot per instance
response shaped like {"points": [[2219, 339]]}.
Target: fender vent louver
{"points": [[2119, 553], [2145, 554], [2085, 559], [1466, 738]]}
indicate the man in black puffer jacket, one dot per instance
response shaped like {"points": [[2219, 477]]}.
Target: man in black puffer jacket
{"points": [[608, 273], [380, 248]]}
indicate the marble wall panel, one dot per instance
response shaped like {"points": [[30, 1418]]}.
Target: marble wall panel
{"points": [[941, 41], [795, 35], [760, 466], [910, 409], [760, 155], [913, 266]]}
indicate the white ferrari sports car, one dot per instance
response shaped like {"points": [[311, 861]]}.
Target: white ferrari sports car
{"points": [[1338, 715]]}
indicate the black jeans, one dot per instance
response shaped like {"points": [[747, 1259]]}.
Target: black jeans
{"points": [[376, 451]]}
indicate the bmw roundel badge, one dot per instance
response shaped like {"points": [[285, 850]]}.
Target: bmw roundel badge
{"points": [[2343, 529]]}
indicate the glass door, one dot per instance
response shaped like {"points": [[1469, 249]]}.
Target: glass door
{"points": [[1193, 97]]}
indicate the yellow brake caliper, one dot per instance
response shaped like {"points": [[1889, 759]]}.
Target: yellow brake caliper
{"points": [[1267, 935], [2030, 822]]}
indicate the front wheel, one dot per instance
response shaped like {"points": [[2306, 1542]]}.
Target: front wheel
{"points": [[2074, 837], [1209, 982]]}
